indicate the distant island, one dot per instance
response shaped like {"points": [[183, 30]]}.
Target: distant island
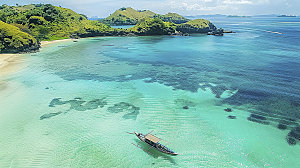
{"points": [[205, 16], [286, 16], [237, 16], [23, 27]]}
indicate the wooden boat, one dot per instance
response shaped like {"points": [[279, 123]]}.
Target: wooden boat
{"points": [[153, 141]]}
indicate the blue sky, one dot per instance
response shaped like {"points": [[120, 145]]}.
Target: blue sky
{"points": [[103, 8]]}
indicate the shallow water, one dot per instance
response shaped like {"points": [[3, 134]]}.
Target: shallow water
{"points": [[73, 102]]}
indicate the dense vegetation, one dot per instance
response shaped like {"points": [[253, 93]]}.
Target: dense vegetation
{"points": [[127, 16], [153, 26], [13, 40], [48, 22], [172, 17], [22, 27], [130, 16], [196, 26]]}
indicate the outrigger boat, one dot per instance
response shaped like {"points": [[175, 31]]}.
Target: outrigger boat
{"points": [[153, 141]]}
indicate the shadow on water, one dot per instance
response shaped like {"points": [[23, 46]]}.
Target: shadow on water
{"points": [[154, 153]]}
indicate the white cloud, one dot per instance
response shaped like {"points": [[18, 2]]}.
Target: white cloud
{"points": [[216, 6], [237, 2]]}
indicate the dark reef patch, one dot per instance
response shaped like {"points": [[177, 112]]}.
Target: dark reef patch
{"points": [[49, 115], [295, 133], [131, 110], [258, 118], [231, 117], [93, 104], [183, 77], [270, 108], [244, 96], [281, 126], [279, 107], [228, 110], [78, 104], [185, 107], [56, 101], [217, 90], [185, 104], [293, 136], [75, 104], [291, 141]]}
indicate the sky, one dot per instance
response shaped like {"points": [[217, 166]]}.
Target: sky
{"points": [[102, 8]]}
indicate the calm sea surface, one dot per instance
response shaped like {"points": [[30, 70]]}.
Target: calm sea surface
{"points": [[72, 103]]}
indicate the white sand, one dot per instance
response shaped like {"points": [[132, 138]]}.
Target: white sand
{"points": [[8, 61], [44, 43], [6, 58]]}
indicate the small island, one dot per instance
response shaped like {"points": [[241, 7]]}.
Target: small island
{"points": [[286, 16], [238, 16], [23, 27]]}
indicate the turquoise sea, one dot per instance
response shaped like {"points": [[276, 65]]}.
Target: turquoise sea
{"points": [[71, 104]]}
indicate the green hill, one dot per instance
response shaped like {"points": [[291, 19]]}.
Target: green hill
{"points": [[196, 26], [172, 17], [127, 16], [13, 40], [48, 22], [153, 26], [130, 16], [23, 26]]}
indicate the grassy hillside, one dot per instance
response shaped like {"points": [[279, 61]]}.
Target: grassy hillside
{"points": [[13, 40], [23, 26], [130, 16], [172, 17], [48, 22], [196, 26], [127, 16], [153, 26]]}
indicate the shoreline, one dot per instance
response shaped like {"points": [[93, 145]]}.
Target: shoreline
{"points": [[45, 43], [9, 63], [6, 59]]}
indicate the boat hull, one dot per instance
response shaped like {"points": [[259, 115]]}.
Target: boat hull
{"points": [[157, 146]]}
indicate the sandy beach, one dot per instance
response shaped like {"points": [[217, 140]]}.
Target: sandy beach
{"points": [[6, 60], [10, 62], [44, 43]]}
